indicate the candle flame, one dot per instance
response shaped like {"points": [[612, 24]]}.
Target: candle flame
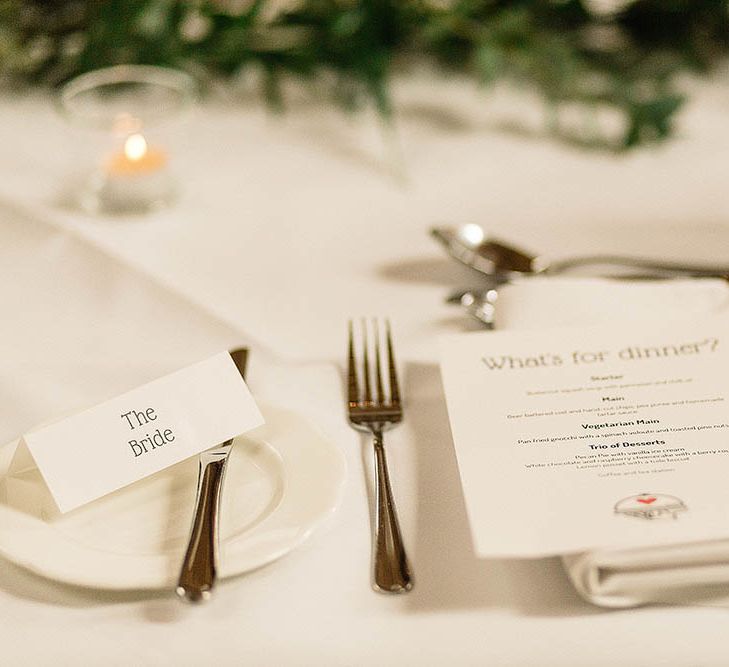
{"points": [[135, 147]]}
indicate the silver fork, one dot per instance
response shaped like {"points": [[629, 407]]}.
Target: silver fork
{"points": [[374, 413]]}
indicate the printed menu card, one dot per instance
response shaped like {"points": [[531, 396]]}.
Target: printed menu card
{"points": [[574, 439]]}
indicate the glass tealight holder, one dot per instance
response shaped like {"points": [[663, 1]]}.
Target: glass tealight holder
{"points": [[131, 110]]}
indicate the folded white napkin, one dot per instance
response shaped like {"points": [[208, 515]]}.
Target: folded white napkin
{"points": [[696, 573], [83, 328]]}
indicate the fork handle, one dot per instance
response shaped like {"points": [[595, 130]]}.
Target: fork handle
{"points": [[199, 567], [391, 567]]}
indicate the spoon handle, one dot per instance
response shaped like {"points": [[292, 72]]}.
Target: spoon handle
{"points": [[695, 270]]}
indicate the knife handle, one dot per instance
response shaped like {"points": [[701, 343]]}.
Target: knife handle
{"points": [[200, 564]]}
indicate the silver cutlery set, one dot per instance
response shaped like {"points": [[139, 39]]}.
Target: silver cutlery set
{"points": [[374, 403], [373, 406]]}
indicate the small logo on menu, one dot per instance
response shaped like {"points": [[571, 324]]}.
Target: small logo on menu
{"points": [[651, 506]]}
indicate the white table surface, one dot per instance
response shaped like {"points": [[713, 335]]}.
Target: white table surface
{"points": [[285, 228]]}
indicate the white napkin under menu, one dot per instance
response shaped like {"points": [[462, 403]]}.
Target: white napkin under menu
{"points": [[696, 573]]}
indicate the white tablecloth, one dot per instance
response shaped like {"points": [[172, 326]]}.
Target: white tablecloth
{"points": [[285, 228]]}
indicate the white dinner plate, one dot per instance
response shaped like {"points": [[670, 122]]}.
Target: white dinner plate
{"points": [[282, 480]]}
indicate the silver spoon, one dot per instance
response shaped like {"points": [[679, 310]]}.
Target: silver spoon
{"points": [[470, 245]]}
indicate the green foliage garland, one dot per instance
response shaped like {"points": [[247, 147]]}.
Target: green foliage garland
{"points": [[614, 54]]}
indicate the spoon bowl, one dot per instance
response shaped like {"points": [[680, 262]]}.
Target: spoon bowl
{"points": [[469, 245]]}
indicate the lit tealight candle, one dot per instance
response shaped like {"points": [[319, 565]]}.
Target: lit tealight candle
{"points": [[136, 177], [137, 157]]}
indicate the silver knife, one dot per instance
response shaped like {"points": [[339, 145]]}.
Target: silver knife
{"points": [[200, 564]]}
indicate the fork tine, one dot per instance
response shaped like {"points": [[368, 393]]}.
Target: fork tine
{"points": [[366, 365], [392, 371], [380, 394], [353, 385]]}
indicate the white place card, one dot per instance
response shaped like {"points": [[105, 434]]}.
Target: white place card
{"points": [[574, 439], [134, 435]]}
